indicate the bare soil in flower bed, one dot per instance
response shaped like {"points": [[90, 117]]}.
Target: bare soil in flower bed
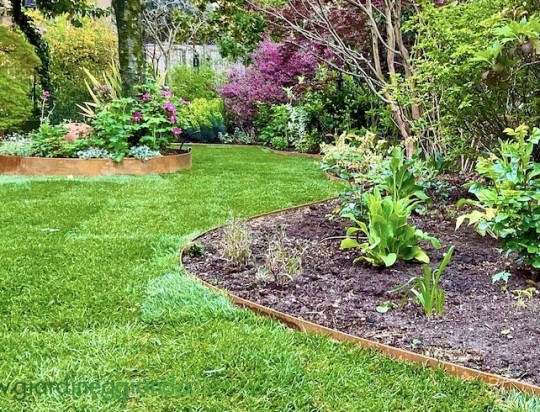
{"points": [[483, 327]]}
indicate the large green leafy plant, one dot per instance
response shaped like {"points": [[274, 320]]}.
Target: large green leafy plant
{"points": [[91, 45], [397, 178], [48, 140], [389, 236], [508, 204], [155, 119], [475, 73], [113, 127], [191, 83]]}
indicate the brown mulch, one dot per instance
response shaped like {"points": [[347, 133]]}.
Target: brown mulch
{"points": [[484, 326]]}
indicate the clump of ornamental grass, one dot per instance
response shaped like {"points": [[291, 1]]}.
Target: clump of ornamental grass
{"points": [[236, 242], [282, 260]]}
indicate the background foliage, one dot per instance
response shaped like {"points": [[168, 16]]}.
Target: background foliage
{"points": [[468, 101], [92, 46], [190, 83], [18, 63]]}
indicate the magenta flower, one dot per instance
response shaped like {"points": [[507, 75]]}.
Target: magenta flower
{"points": [[176, 131], [185, 102], [170, 107], [45, 95], [146, 98], [137, 116], [172, 118], [167, 93]]}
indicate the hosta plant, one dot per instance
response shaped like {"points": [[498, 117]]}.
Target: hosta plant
{"points": [[508, 204], [388, 235], [398, 180]]}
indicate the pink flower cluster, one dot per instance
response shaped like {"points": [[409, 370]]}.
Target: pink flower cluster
{"points": [[274, 67], [137, 117], [167, 93], [169, 107], [171, 110]]}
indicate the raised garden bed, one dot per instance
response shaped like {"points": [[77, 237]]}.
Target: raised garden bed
{"points": [[43, 166], [484, 327]]}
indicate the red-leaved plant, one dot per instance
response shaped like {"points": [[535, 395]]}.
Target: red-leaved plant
{"points": [[274, 67]]}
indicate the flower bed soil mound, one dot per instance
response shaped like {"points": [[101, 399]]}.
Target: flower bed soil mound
{"points": [[483, 327]]}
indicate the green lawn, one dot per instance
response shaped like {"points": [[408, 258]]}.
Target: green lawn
{"points": [[90, 290]]}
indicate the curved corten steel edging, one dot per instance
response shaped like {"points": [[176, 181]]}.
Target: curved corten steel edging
{"points": [[395, 353], [44, 166]]}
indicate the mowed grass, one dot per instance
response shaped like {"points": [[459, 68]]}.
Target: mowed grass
{"points": [[91, 291]]}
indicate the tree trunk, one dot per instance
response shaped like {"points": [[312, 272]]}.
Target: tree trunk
{"points": [[28, 27], [131, 54], [394, 39]]}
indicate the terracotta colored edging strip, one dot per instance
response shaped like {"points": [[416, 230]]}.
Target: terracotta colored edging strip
{"points": [[395, 353], [44, 166]]}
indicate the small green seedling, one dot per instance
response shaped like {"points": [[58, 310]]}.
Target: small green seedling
{"points": [[385, 307], [503, 276], [524, 295], [194, 249]]}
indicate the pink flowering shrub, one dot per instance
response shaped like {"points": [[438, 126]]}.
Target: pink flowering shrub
{"points": [[274, 67], [154, 120]]}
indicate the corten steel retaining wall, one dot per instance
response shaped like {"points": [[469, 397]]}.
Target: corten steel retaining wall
{"points": [[42, 166]]}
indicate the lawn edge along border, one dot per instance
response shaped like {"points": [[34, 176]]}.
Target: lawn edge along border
{"points": [[277, 152], [45, 166], [395, 353], [266, 148]]}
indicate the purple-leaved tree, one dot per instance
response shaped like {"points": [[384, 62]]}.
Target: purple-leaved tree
{"points": [[275, 67]]}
